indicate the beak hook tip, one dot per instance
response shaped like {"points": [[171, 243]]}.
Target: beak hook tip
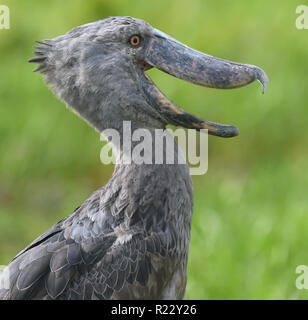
{"points": [[262, 77]]}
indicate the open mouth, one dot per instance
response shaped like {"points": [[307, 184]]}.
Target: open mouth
{"points": [[183, 62]]}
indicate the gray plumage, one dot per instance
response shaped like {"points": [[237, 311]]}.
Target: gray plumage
{"points": [[130, 239]]}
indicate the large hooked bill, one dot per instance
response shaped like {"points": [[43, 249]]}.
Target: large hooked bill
{"points": [[171, 56]]}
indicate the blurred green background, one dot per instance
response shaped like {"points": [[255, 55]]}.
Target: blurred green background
{"points": [[250, 223]]}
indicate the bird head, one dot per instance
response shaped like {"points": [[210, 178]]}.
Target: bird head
{"points": [[99, 70]]}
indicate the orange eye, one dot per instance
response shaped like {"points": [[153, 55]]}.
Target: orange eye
{"points": [[135, 40]]}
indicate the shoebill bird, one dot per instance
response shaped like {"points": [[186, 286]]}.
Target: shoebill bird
{"points": [[129, 239]]}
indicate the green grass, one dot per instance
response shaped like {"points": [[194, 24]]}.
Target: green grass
{"points": [[251, 208]]}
